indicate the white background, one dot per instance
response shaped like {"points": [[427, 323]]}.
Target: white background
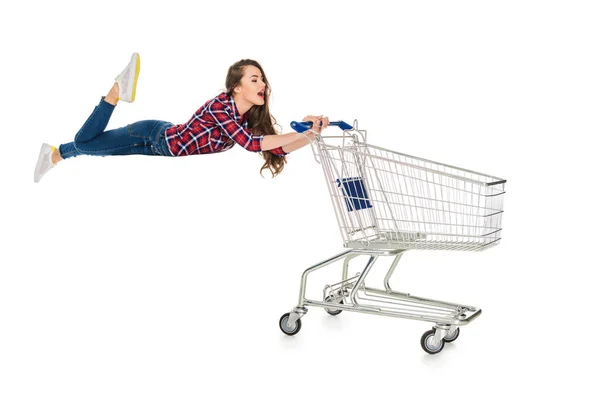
{"points": [[156, 278]]}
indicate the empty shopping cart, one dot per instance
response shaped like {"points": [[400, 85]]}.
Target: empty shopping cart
{"points": [[387, 203]]}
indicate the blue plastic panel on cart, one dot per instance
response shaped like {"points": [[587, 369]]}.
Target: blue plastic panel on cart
{"points": [[355, 194]]}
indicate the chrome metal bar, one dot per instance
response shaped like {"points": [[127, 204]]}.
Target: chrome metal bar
{"points": [[339, 286], [358, 252], [316, 267], [440, 164], [361, 279], [346, 262], [382, 302], [496, 183], [396, 301], [474, 181], [390, 252], [378, 311], [386, 280], [422, 300]]}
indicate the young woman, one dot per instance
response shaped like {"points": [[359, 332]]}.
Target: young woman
{"points": [[239, 115]]}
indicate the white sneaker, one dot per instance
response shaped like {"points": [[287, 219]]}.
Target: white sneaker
{"points": [[44, 163], [127, 79]]}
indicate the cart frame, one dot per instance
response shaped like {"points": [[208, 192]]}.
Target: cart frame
{"points": [[356, 192]]}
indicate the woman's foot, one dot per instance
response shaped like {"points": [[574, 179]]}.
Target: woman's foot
{"points": [[45, 161], [56, 157], [127, 80]]}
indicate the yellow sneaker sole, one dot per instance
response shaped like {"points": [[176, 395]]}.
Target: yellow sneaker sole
{"points": [[135, 79]]}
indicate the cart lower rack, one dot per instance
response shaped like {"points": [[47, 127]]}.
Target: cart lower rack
{"points": [[387, 203]]}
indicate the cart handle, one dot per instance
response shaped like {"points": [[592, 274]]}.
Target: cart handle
{"points": [[304, 126]]}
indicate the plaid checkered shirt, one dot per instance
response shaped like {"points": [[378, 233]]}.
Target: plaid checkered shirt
{"points": [[214, 128]]}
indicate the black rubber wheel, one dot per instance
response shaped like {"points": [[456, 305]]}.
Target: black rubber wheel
{"points": [[454, 336], [427, 343], [329, 299], [287, 330]]}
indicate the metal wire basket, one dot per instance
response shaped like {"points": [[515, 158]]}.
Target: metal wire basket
{"points": [[388, 200]]}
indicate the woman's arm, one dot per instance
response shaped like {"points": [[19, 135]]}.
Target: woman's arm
{"points": [[293, 141], [298, 144], [274, 141]]}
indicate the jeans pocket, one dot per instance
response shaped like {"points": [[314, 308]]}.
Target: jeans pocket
{"points": [[142, 129]]}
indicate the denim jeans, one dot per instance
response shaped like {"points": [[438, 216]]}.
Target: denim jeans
{"points": [[143, 137]]}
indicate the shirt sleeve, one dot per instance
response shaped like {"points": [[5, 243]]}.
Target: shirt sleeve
{"points": [[224, 119], [278, 152]]}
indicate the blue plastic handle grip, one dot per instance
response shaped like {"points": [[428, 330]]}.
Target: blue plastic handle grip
{"points": [[304, 126], [301, 126], [342, 125]]}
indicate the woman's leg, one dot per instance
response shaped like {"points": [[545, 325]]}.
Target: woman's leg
{"points": [[94, 126], [98, 120], [134, 138], [124, 89], [143, 138]]}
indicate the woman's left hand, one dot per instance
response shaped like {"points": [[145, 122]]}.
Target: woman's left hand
{"points": [[319, 122]]}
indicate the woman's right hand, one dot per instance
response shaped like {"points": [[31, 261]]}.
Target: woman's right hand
{"points": [[319, 123]]}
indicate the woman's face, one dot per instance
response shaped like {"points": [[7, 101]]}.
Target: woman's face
{"points": [[251, 87]]}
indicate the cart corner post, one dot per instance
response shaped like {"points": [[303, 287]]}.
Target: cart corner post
{"points": [[302, 298]]}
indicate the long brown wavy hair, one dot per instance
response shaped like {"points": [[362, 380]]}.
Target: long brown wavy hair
{"points": [[260, 120]]}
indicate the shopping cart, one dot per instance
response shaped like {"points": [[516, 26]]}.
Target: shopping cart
{"points": [[387, 203]]}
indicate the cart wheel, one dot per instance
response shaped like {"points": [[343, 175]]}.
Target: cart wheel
{"points": [[453, 337], [329, 299], [284, 327], [428, 345]]}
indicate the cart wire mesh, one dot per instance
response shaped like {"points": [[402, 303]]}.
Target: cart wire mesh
{"points": [[388, 200]]}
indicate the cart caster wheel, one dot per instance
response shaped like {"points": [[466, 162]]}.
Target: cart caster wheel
{"points": [[428, 345], [453, 336], [329, 299], [285, 328]]}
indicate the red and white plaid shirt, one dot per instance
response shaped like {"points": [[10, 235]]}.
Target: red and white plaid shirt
{"points": [[214, 128]]}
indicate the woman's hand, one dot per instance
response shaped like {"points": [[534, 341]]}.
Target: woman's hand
{"points": [[319, 123]]}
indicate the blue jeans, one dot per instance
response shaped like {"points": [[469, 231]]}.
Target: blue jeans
{"points": [[144, 137]]}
